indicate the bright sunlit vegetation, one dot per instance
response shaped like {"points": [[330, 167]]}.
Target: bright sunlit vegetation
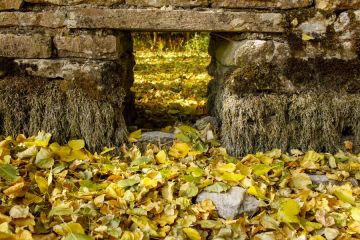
{"points": [[170, 78]]}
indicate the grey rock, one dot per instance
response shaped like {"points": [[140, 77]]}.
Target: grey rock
{"points": [[156, 137], [250, 205], [232, 203], [319, 179], [203, 122], [323, 179]]}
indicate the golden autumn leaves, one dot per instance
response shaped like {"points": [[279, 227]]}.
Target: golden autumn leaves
{"points": [[55, 191]]}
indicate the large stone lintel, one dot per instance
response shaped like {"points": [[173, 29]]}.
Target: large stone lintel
{"points": [[175, 20], [148, 20], [76, 2], [160, 3]]}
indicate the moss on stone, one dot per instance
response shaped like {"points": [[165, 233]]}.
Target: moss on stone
{"points": [[29, 105]]}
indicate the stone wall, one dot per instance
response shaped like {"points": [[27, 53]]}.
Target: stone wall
{"points": [[286, 72], [299, 89]]}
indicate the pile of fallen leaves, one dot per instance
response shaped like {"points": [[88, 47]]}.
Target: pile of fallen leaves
{"points": [[49, 191]]}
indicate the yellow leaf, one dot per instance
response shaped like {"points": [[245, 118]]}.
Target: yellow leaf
{"points": [[288, 211], [161, 157], [134, 136], [76, 144], [192, 233], [306, 37], [42, 183], [232, 177], [256, 191], [355, 213], [317, 237], [68, 228], [148, 183], [179, 150], [230, 167], [345, 195]]}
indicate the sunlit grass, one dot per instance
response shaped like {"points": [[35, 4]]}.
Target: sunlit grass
{"points": [[170, 86]]}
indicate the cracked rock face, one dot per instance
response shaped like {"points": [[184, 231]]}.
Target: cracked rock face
{"points": [[231, 204]]}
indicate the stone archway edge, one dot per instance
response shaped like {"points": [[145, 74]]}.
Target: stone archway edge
{"points": [[209, 20]]}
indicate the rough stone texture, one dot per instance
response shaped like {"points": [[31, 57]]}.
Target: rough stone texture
{"points": [[281, 4], [10, 4], [32, 104], [231, 204], [77, 2], [97, 78], [175, 20], [87, 46], [25, 46], [323, 179], [157, 137], [269, 93], [160, 3], [50, 19], [337, 4]]}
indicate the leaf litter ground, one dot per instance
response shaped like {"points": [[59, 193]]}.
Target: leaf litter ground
{"points": [[170, 86], [49, 191]]}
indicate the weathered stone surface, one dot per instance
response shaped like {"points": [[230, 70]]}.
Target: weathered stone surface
{"points": [[76, 2], [319, 179], [337, 4], [87, 46], [281, 4], [96, 78], [231, 204], [10, 4], [317, 25], [50, 19], [160, 3], [175, 20], [233, 53], [157, 137], [25, 46], [323, 179]]}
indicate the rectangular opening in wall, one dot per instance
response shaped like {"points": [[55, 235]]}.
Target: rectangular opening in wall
{"points": [[171, 78]]}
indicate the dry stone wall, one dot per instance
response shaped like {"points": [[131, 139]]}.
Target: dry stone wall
{"points": [[286, 72]]}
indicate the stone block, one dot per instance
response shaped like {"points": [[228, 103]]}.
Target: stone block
{"points": [[50, 19], [25, 46], [88, 46], [175, 20], [160, 3], [261, 4], [337, 4], [96, 78], [10, 4], [76, 2]]}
